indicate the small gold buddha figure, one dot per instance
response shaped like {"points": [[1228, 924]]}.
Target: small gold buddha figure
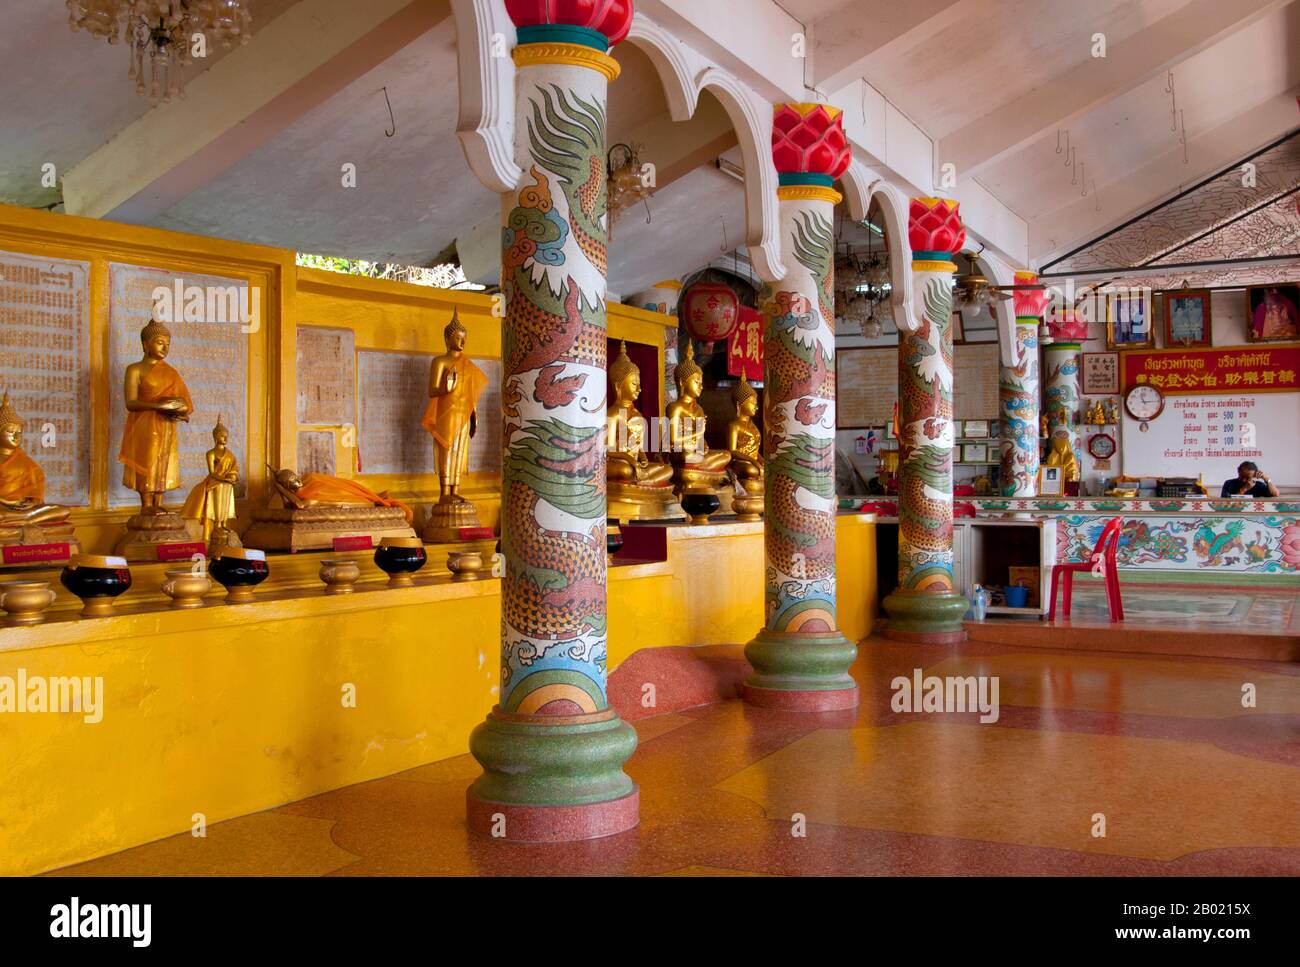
{"points": [[743, 438], [156, 400], [312, 511], [212, 501], [451, 418], [322, 490], [22, 482], [694, 464], [1096, 414], [627, 462], [1062, 455]]}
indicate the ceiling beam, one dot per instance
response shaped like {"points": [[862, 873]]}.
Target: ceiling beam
{"points": [[1081, 88], [844, 41], [1052, 234], [292, 64]]}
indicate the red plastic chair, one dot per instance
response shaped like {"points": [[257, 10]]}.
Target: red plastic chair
{"points": [[1103, 562]]}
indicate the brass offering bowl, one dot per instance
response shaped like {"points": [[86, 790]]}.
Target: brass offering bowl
{"points": [[186, 587], [24, 602], [465, 565], [339, 574]]}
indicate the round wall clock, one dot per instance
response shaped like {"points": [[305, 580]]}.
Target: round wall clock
{"points": [[1101, 446], [1144, 402]]}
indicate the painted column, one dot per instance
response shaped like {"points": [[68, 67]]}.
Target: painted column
{"points": [[1062, 389], [926, 606], [800, 658], [552, 750], [1018, 393]]}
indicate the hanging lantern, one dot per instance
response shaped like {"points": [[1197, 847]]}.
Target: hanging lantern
{"points": [[711, 311]]}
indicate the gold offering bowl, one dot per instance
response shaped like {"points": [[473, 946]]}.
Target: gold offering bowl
{"points": [[25, 601], [339, 575], [186, 587], [465, 565]]}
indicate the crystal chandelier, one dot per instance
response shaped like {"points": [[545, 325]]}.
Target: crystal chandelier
{"points": [[163, 34]]}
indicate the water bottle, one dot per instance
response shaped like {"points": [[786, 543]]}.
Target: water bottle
{"points": [[979, 602]]}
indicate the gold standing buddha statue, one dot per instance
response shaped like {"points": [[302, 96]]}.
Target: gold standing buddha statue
{"points": [[25, 517], [157, 399], [212, 501], [451, 418], [637, 486], [746, 445], [694, 464]]}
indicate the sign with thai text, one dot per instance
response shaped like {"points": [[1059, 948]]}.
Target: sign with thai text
{"points": [[1196, 372]]}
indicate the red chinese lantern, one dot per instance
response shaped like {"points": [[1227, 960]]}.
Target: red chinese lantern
{"points": [[710, 311], [613, 18]]}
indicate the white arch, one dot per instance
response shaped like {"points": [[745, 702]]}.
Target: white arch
{"points": [[671, 63], [861, 185], [486, 125], [999, 273], [754, 132]]}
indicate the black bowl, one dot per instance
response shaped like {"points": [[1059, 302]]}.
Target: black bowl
{"points": [[699, 505], [400, 556], [613, 536], [98, 579], [239, 570]]}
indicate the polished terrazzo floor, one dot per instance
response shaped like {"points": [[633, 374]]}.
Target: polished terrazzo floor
{"points": [[1189, 782]]}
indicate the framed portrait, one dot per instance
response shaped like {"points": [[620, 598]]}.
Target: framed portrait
{"points": [[975, 453], [1101, 374], [1273, 312], [1128, 321], [1187, 317], [1050, 482], [975, 429]]}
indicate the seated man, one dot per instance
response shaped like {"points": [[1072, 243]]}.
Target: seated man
{"points": [[1249, 482]]}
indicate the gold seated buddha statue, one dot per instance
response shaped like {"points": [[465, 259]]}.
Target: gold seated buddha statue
{"points": [[308, 512], [694, 464], [745, 442], [25, 517], [637, 487], [1062, 455]]}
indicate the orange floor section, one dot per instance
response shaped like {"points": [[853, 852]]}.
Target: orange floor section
{"points": [[1159, 750]]}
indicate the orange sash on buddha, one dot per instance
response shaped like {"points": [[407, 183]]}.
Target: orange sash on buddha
{"points": [[21, 477], [336, 490], [149, 438], [447, 415]]}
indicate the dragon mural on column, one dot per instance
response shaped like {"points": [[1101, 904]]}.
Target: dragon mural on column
{"points": [[553, 412]]}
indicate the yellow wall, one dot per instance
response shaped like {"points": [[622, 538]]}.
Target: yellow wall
{"points": [[384, 315], [228, 710]]}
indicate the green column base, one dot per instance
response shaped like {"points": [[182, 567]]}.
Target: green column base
{"points": [[804, 671], [928, 618], [570, 761]]}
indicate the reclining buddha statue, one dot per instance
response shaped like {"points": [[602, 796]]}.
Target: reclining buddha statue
{"points": [[308, 512]]}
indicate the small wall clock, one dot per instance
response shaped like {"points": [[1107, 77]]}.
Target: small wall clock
{"points": [[1101, 446], [1144, 402]]}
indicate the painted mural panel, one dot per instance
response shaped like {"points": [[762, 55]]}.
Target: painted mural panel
{"points": [[1267, 544]]}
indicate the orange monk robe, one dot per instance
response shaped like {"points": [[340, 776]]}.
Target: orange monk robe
{"points": [[149, 451], [447, 416], [21, 477], [211, 500], [323, 488]]}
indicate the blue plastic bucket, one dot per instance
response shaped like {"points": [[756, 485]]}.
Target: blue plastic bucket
{"points": [[1017, 596]]}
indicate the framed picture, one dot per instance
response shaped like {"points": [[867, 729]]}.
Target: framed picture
{"points": [[1187, 317], [1050, 482], [1101, 374], [975, 429], [975, 453], [1128, 322], [1273, 312], [958, 328]]}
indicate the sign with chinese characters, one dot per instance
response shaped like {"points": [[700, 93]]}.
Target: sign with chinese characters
{"points": [[45, 366], [745, 346], [1239, 369], [1100, 374]]}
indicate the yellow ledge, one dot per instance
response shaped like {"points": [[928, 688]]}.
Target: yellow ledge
{"points": [[227, 710]]}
